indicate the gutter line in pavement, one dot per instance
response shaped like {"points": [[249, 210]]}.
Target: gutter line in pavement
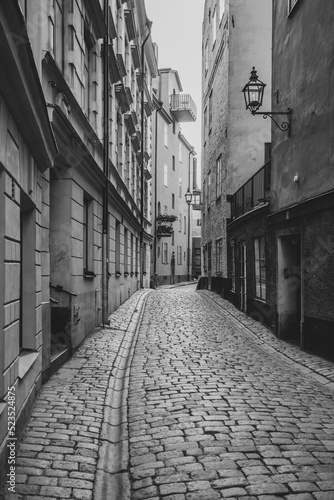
{"points": [[112, 475]]}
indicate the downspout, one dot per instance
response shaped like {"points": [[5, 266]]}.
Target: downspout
{"points": [[142, 158], [156, 187], [105, 242], [189, 179]]}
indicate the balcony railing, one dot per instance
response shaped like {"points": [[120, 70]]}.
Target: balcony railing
{"points": [[183, 107], [253, 193]]}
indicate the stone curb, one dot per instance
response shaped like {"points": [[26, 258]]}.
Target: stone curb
{"points": [[112, 480], [311, 372]]}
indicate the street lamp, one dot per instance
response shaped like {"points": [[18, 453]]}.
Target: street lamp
{"points": [[188, 197], [253, 94]]}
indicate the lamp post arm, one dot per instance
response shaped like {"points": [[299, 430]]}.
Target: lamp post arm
{"points": [[284, 126]]}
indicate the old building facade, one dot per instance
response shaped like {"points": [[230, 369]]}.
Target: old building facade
{"points": [[280, 258], [75, 171], [236, 35], [174, 169], [300, 222]]}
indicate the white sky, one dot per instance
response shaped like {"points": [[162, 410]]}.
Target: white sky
{"points": [[177, 30]]}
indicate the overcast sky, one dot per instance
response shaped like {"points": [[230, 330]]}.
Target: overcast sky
{"points": [[177, 29]]}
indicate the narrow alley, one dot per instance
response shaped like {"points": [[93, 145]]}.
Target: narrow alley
{"points": [[182, 397]]}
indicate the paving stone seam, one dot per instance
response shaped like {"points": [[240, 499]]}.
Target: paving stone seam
{"points": [[112, 479], [271, 349]]}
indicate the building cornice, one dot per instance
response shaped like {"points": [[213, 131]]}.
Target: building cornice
{"points": [[187, 144]]}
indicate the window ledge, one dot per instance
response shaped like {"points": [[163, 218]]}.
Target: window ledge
{"points": [[89, 274], [26, 360], [258, 299]]}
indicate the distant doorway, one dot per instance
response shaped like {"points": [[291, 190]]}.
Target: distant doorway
{"points": [[289, 287]]}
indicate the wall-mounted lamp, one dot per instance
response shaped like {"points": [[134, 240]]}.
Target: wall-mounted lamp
{"points": [[193, 198], [253, 93], [188, 197]]}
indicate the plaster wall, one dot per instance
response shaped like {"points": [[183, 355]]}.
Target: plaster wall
{"points": [[298, 73]]}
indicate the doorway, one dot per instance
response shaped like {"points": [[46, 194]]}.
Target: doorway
{"points": [[289, 285]]}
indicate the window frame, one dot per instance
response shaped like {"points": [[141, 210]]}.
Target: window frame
{"points": [[219, 255], [179, 255], [164, 253], [260, 272], [165, 175], [88, 235], [233, 262], [219, 177]]}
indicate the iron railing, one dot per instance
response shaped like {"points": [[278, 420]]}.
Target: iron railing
{"points": [[254, 192], [183, 102]]}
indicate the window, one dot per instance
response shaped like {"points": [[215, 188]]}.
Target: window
{"points": [[219, 255], [180, 187], [219, 177], [209, 256], [209, 189], [126, 251], [198, 222], [210, 111], [180, 223], [174, 127], [166, 135], [58, 38], [131, 255], [87, 234], [118, 247], [165, 253], [173, 163], [165, 175], [221, 8], [214, 26], [205, 119], [232, 243], [165, 209], [260, 268], [179, 255], [180, 152], [184, 224], [173, 200], [137, 255]]}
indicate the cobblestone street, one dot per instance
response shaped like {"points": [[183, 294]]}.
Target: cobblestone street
{"points": [[182, 397], [212, 415]]}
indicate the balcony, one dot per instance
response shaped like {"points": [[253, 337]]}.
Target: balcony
{"points": [[183, 107], [253, 194], [165, 225]]}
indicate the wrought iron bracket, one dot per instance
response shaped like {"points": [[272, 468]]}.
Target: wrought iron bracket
{"points": [[284, 126]]}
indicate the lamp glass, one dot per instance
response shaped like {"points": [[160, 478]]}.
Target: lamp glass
{"points": [[253, 92], [188, 197]]}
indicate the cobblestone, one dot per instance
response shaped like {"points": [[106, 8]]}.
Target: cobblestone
{"points": [[218, 407], [233, 416]]}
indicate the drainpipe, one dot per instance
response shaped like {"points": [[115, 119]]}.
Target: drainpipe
{"points": [[156, 188], [189, 179], [105, 246], [149, 24]]}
